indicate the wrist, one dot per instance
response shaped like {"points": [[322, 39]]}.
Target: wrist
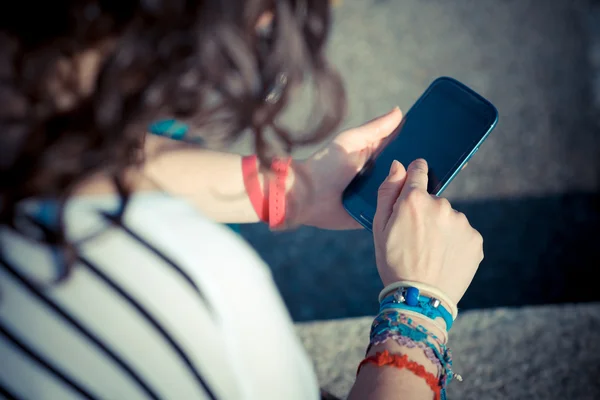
{"points": [[292, 193], [296, 193], [433, 327], [414, 289], [402, 332], [436, 326]]}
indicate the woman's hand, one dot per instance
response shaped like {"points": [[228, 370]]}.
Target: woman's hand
{"points": [[329, 171], [419, 237]]}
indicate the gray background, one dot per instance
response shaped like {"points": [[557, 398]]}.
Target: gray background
{"points": [[531, 190]]}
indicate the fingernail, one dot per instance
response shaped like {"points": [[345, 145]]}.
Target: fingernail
{"points": [[394, 167]]}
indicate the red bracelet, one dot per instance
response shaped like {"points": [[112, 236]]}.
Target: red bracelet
{"points": [[277, 191], [270, 206], [402, 362], [252, 185]]}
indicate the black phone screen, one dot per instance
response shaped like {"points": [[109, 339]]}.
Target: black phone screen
{"points": [[443, 127]]}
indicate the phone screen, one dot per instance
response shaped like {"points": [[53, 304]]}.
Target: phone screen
{"points": [[443, 127]]}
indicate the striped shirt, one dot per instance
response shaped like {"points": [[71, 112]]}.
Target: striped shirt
{"points": [[164, 305]]}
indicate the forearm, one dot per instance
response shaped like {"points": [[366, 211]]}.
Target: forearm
{"points": [[389, 382], [212, 181]]}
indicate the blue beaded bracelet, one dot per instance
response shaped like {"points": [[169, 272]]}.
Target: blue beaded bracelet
{"points": [[410, 298]]}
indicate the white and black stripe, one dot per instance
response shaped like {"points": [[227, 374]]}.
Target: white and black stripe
{"points": [[162, 256], [145, 312], [75, 324], [47, 364], [151, 321], [171, 342], [5, 393]]}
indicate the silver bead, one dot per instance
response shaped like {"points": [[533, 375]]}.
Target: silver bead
{"points": [[435, 303], [399, 296]]}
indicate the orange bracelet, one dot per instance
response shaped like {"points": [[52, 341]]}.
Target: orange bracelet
{"points": [[402, 362]]}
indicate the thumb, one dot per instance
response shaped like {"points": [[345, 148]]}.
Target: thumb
{"points": [[388, 194], [382, 126]]}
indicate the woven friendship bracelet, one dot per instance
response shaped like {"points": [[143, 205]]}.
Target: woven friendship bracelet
{"points": [[394, 324]]}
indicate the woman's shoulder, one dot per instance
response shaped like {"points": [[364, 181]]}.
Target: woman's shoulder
{"points": [[165, 223], [163, 268], [233, 280], [172, 230]]}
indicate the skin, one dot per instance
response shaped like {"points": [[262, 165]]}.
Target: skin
{"points": [[418, 237], [213, 181]]}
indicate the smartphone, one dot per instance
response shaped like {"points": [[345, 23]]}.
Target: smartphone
{"points": [[445, 126]]}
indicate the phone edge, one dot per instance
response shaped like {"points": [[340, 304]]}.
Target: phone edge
{"points": [[473, 151], [353, 215]]}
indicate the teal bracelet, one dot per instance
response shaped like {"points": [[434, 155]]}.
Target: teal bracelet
{"points": [[169, 128], [410, 298]]}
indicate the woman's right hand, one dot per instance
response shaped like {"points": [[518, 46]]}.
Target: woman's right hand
{"points": [[421, 238]]}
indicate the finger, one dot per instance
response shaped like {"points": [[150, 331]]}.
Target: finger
{"points": [[381, 127], [388, 194], [416, 176]]}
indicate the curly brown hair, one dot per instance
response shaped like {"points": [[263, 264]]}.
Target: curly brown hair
{"points": [[203, 62]]}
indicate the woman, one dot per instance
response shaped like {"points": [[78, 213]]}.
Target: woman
{"points": [[112, 283]]}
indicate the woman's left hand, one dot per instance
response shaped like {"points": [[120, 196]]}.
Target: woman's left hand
{"points": [[329, 171]]}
